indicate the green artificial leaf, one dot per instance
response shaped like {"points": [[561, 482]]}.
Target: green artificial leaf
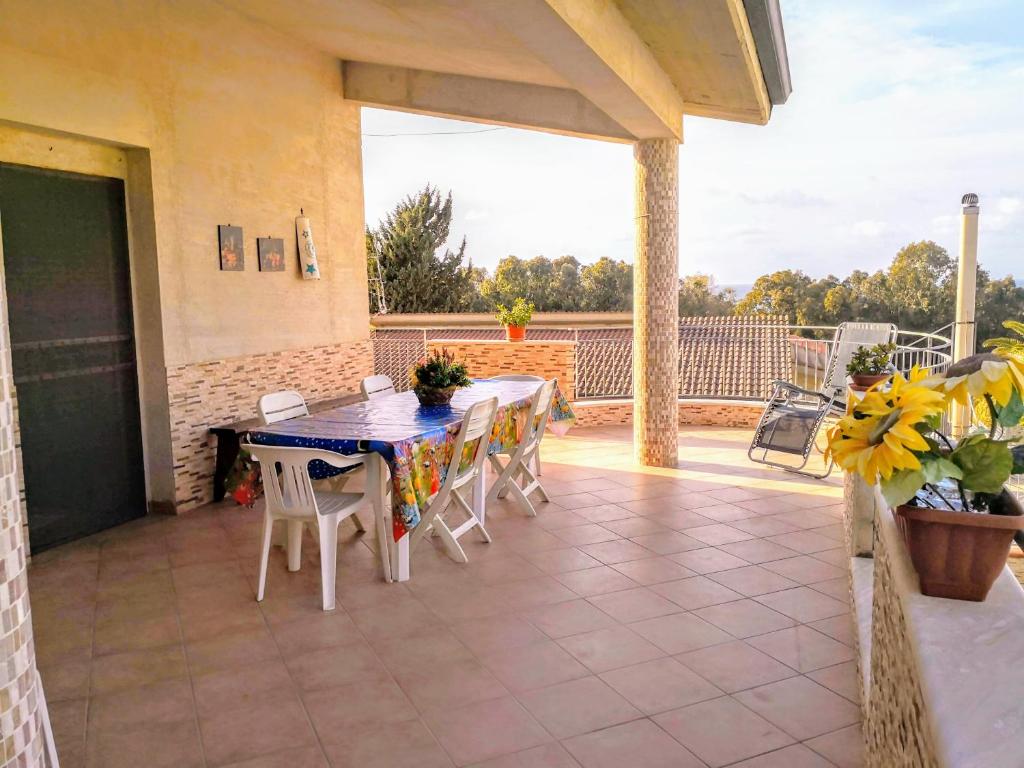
{"points": [[1018, 460], [1011, 414], [986, 464], [902, 486], [937, 468]]}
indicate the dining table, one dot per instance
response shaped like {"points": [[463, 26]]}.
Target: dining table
{"points": [[414, 443]]}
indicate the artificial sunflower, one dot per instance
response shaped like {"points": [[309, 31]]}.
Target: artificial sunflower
{"points": [[879, 436], [987, 374]]}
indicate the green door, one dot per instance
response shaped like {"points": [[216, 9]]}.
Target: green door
{"points": [[65, 254]]}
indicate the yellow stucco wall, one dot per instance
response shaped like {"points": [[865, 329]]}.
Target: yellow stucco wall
{"points": [[242, 125]]}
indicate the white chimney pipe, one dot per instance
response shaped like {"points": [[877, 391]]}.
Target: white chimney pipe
{"points": [[966, 291]]}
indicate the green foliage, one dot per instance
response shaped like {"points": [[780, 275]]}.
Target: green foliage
{"points": [[518, 315], [1009, 344], [699, 297], [870, 361], [902, 486], [986, 464], [407, 245], [439, 371]]}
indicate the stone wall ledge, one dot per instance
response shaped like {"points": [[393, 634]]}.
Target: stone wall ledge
{"points": [[945, 675]]}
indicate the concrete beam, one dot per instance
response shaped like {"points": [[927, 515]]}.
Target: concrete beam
{"points": [[593, 47], [499, 102]]}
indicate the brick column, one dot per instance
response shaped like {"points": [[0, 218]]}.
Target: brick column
{"points": [[21, 735], [656, 304]]}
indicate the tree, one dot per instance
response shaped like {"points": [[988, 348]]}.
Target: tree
{"points": [[699, 297], [407, 245], [792, 294], [607, 286], [997, 300], [921, 286]]}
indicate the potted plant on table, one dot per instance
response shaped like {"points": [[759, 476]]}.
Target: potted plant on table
{"points": [[950, 501], [435, 378], [870, 365], [515, 319]]}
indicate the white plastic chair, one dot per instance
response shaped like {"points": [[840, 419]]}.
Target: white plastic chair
{"points": [[290, 497], [515, 476], [476, 427], [375, 386], [279, 406], [525, 377]]}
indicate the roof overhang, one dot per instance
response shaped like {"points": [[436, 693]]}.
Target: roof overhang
{"points": [[765, 19]]}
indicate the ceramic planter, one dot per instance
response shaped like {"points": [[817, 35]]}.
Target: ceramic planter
{"points": [[864, 381], [434, 395], [515, 332], [959, 555]]}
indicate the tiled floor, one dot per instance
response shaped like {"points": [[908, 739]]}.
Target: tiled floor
{"points": [[689, 617]]}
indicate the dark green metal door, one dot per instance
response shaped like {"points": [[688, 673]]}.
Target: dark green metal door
{"points": [[65, 252]]}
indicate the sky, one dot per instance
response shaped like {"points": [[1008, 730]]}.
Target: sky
{"points": [[897, 110]]}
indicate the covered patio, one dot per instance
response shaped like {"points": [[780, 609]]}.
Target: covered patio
{"points": [[689, 616]]}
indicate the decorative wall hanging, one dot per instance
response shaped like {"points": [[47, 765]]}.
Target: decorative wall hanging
{"points": [[232, 251], [271, 253], [308, 264]]}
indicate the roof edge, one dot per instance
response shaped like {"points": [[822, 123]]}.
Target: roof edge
{"points": [[765, 19]]}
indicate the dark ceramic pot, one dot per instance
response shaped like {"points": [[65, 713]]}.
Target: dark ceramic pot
{"points": [[959, 555], [434, 395], [864, 381]]}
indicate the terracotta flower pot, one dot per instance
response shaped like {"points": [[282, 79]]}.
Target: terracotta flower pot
{"points": [[864, 381], [958, 555], [515, 332], [434, 395]]}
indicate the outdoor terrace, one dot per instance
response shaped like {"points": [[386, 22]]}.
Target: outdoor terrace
{"points": [[647, 617]]}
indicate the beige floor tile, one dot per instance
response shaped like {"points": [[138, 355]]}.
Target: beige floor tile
{"points": [[562, 560], [610, 552], [167, 701], [120, 671], [638, 744], [801, 707], [67, 719], [66, 679], [803, 604], [486, 730], [433, 646], [722, 731], [578, 706], [758, 551], [595, 581], [795, 756], [450, 685], [708, 560], [498, 633], [293, 757], [763, 526], [696, 592], [729, 513], [606, 649], [668, 543], [718, 534], [406, 618], [836, 557], [410, 745], [837, 627], [572, 617], [235, 650], [838, 587], [735, 666], [844, 748], [245, 686], [660, 685], [588, 533], [337, 665], [752, 580], [653, 570], [337, 711], [544, 756], [680, 632], [842, 679], [553, 519], [804, 541], [744, 618], [680, 519], [576, 501], [802, 648], [253, 730], [326, 630], [632, 526], [154, 745], [534, 666], [804, 569], [634, 605]]}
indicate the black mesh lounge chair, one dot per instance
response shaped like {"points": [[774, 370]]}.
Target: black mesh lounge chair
{"points": [[793, 415]]}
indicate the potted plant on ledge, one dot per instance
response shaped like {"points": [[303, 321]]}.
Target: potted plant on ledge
{"points": [[870, 365], [435, 379], [515, 319], [949, 499]]}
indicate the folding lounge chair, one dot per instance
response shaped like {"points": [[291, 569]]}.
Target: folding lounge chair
{"points": [[793, 415]]}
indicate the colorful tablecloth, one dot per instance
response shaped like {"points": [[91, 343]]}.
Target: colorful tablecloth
{"points": [[415, 441]]}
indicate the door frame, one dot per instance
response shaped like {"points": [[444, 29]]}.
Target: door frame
{"points": [[52, 152]]}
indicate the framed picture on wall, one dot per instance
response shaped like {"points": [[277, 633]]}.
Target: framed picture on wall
{"points": [[232, 250], [271, 253]]}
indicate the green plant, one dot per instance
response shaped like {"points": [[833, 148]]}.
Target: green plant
{"points": [[873, 361], [439, 371], [518, 315]]}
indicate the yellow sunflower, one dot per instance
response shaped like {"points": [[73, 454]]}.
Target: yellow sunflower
{"points": [[979, 375], [879, 436]]}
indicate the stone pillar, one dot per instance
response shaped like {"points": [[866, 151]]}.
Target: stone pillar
{"points": [[656, 304], [966, 285], [21, 706]]}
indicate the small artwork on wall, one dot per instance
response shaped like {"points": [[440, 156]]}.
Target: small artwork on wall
{"points": [[232, 252], [271, 253]]}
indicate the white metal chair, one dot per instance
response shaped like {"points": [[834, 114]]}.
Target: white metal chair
{"points": [[793, 414], [375, 386], [476, 427], [525, 377], [290, 497], [515, 476]]}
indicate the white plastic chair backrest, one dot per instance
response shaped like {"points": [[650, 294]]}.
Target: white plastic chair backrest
{"points": [[286, 481], [539, 413], [373, 386], [278, 406], [476, 425], [849, 337]]}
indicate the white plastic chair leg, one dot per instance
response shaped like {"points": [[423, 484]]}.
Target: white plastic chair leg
{"points": [[536, 462], [455, 551], [268, 532], [328, 558], [295, 544]]}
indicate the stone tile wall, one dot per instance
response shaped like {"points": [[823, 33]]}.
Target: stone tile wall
{"points": [[549, 359], [601, 413], [205, 395]]}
